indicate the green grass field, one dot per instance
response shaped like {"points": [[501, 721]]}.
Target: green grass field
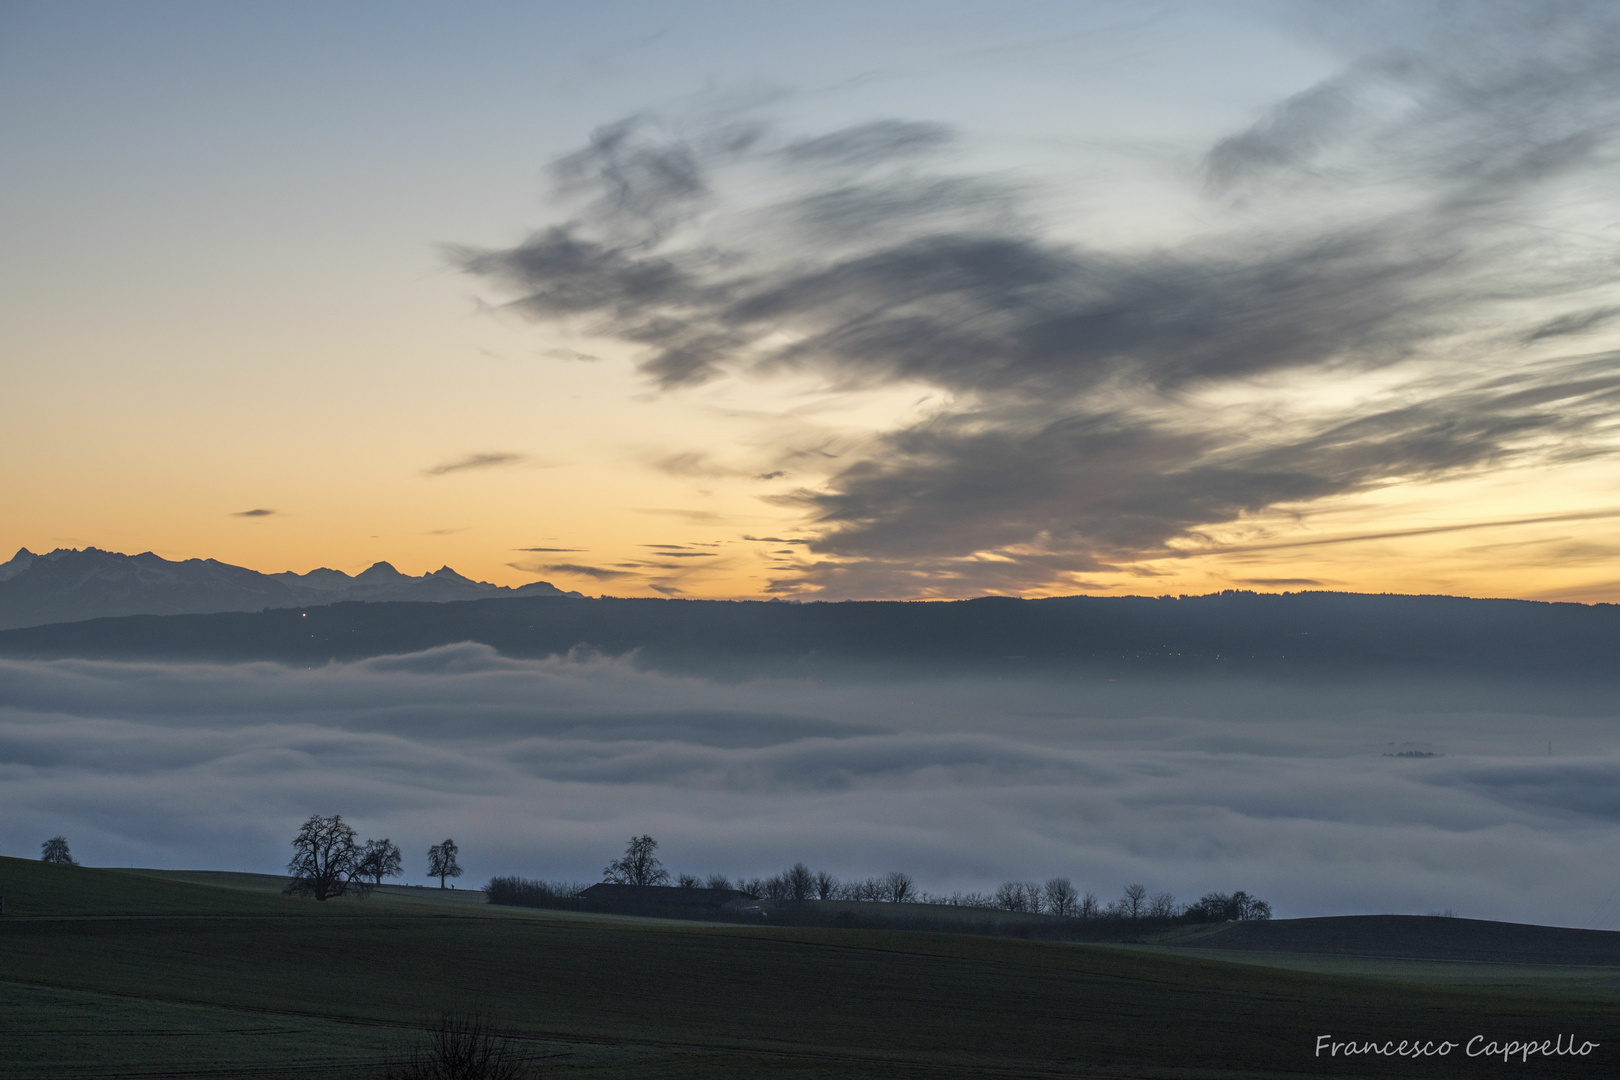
{"points": [[145, 973]]}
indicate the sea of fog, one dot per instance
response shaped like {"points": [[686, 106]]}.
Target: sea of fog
{"points": [[1300, 794]]}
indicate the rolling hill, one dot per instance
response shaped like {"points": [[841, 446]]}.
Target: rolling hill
{"points": [[222, 985]]}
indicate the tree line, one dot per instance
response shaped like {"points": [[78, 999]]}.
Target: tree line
{"points": [[329, 860], [640, 865]]}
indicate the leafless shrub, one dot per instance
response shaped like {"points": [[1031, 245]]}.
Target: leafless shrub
{"points": [[461, 1046]]}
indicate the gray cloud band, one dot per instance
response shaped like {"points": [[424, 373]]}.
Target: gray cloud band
{"points": [[1386, 219]]}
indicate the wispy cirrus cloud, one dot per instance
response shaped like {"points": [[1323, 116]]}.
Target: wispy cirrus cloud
{"points": [[470, 462], [260, 513], [598, 573]]}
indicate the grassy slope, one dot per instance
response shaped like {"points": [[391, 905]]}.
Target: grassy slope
{"points": [[622, 997]]}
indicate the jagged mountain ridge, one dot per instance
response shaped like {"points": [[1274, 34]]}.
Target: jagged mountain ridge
{"points": [[70, 585]]}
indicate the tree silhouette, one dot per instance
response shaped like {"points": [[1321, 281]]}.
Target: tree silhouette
{"points": [[898, 888], [442, 861], [380, 859], [1061, 897], [1133, 904], [826, 886], [638, 866], [801, 883], [326, 860], [1219, 907], [55, 850]]}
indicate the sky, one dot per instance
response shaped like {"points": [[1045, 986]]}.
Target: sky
{"points": [[543, 769], [846, 301]]}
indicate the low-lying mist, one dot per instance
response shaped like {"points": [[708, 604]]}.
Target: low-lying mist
{"points": [[1323, 799]]}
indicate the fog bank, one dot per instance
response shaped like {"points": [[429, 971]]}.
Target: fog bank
{"points": [[544, 767]]}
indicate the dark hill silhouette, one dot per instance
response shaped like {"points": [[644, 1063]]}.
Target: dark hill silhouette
{"points": [[1308, 634], [1417, 937], [68, 585]]}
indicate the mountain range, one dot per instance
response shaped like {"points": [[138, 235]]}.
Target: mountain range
{"points": [[69, 585]]}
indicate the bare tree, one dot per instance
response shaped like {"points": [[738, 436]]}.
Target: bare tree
{"points": [[442, 861], [1019, 896], [688, 881], [777, 888], [326, 860], [1161, 906], [379, 859], [1089, 907], [717, 881], [1219, 907], [873, 888], [1133, 903], [55, 850], [638, 866], [755, 887], [801, 883], [826, 886], [898, 888], [1060, 896]]}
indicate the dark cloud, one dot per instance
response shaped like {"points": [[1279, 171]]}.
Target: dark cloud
{"points": [[1393, 218], [548, 549], [254, 513], [475, 461], [542, 768]]}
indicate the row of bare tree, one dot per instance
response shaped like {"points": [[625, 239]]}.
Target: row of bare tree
{"points": [[640, 865]]}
